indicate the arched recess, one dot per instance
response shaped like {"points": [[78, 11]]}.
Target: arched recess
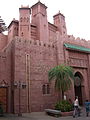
{"points": [[78, 86]]}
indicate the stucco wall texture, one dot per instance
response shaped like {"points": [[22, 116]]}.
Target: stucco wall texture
{"points": [[32, 47]]}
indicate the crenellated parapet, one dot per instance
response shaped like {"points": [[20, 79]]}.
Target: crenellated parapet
{"points": [[32, 42], [78, 41]]}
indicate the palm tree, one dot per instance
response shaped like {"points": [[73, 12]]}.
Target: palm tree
{"points": [[62, 74]]}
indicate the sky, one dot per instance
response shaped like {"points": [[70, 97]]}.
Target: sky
{"points": [[76, 12]]}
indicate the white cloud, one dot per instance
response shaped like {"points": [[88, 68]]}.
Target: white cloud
{"points": [[76, 13]]}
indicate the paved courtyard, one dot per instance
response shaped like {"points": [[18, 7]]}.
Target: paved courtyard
{"points": [[42, 116]]}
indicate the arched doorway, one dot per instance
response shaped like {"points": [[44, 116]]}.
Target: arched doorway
{"points": [[3, 95], [3, 98], [78, 86]]}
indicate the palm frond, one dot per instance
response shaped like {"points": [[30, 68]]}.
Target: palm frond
{"points": [[62, 75]]}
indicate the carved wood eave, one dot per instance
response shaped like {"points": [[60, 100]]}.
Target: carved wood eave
{"points": [[77, 50], [81, 67], [79, 63]]}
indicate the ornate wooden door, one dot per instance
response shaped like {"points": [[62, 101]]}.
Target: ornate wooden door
{"points": [[78, 92], [3, 98]]}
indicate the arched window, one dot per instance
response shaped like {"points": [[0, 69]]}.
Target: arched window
{"points": [[21, 19], [22, 34], [46, 89]]}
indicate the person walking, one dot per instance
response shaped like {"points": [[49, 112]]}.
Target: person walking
{"points": [[76, 108], [87, 107]]}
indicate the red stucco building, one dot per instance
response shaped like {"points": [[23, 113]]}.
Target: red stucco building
{"points": [[33, 46]]}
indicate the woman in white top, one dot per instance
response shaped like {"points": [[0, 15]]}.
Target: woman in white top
{"points": [[76, 108], [76, 103]]}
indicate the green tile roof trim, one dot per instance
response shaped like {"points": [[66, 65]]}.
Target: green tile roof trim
{"points": [[76, 47]]}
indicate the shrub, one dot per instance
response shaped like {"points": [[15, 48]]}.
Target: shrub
{"points": [[64, 106]]}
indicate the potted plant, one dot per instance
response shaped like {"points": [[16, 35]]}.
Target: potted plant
{"points": [[65, 107], [63, 75]]}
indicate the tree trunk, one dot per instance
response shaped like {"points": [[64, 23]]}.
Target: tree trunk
{"points": [[62, 95], [59, 95]]}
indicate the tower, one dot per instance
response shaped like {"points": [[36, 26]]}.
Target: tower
{"points": [[24, 22], [59, 21], [39, 18]]}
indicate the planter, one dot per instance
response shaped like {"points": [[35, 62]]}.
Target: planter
{"points": [[67, 113]]}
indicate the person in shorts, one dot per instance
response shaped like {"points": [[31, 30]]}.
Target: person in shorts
{"points": [[76, 108], [87, 107]]}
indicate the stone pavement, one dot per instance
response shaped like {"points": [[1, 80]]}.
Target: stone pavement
{"points": [[43, 116]]}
